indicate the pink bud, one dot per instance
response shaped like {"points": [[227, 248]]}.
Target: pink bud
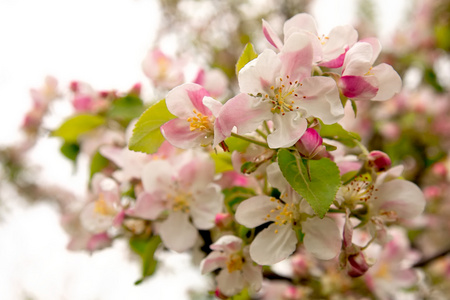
{"points": [[300, 265], [292, 293], [310, 145], [432, 192], [379, 161], [74, 86], [136, 89], [223, 220], [440, 169], [357, 265]]}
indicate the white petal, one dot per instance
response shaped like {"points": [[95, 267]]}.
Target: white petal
{"points": [[93, 221], [177, 233], [227, 243], [389, 82], [148, 206], [230, 283], [340, 37], [213, 261], [322, 99], [206, 204], [253, 275], [269, 247], [360, 52], [401, 196], [322, 237], [300, 22], [156, 175], [253, 211], [276, 178], [288, 130]]}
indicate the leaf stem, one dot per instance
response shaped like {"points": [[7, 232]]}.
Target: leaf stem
{"points": [[262, 144], [362, 147], [266, 127]]}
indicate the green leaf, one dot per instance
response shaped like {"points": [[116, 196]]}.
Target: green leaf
{"points": [[98, 163], [320, 192], [337, 133], [145, 248], [75, 126], [147, 136], [126, 108], [222, 161], [70, 150], [247, 55]]}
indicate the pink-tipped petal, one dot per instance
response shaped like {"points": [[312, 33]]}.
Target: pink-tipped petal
{"points": [[339, 39], [359, 87], [271, 36], [296, 57], [213, 261], [182, 100], [147, 207], [178, 133], [376, 47]]}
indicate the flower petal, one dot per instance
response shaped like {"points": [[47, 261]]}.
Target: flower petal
{"points": [[322, 237], [358, 59], [359, 87], [296, 57], [288, 130], [178, 133], [182, 100], [227, 243], [147, 207], [244, 112], [230, 283], [271, 36], [389, 82], [177, 233], [213, 261], [270, 246], [300, 22], [322, 99], [276, 178], [340, 38], [157, 175], [401, 196], [206, 204], [253, 211]]}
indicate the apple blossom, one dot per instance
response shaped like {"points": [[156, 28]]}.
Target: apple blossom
{"points": [[196, 112], [329, 51], [164, 72], [361, 81], [279, 88], [287, 214], [237, 269], [180, 196]]}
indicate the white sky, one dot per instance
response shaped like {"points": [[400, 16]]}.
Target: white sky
{"points": [[103, 43]]}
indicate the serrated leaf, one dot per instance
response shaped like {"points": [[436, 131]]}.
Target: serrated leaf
{"points": [[222, 161], [126, 108], [147, 136], [338, 133], [247, 55], [145, 248], [320, 192], [75, 126]]}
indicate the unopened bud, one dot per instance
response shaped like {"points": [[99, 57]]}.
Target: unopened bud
{"points": [[136, 89], [379, 161], [223, 220], [357, 265], [74, 86], [300, 265], [310, 145]]}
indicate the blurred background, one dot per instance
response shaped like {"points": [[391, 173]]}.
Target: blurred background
{"points": [[103, 43]]}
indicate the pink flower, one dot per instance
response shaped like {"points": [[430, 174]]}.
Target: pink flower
{"points": [[196, 112], [106, 211], [214, 81], [329, 51], [279, 240], [237, 269], [310, 145], [180, 196], [361, 81], [163, 71], [279, 88]]}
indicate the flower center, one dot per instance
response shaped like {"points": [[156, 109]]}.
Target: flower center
{"points": [[284, 213], [102, 207], [324, 39], [284, 96], [234, 263], [181, 202], [357, 190], [200, 122]]}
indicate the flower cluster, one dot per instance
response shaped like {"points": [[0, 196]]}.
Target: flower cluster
{"points": [[266, 177]]}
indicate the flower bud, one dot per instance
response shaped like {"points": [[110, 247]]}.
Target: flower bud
{"points": [[223, 220], [357, 265], [379, 161], [310, 145]]}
